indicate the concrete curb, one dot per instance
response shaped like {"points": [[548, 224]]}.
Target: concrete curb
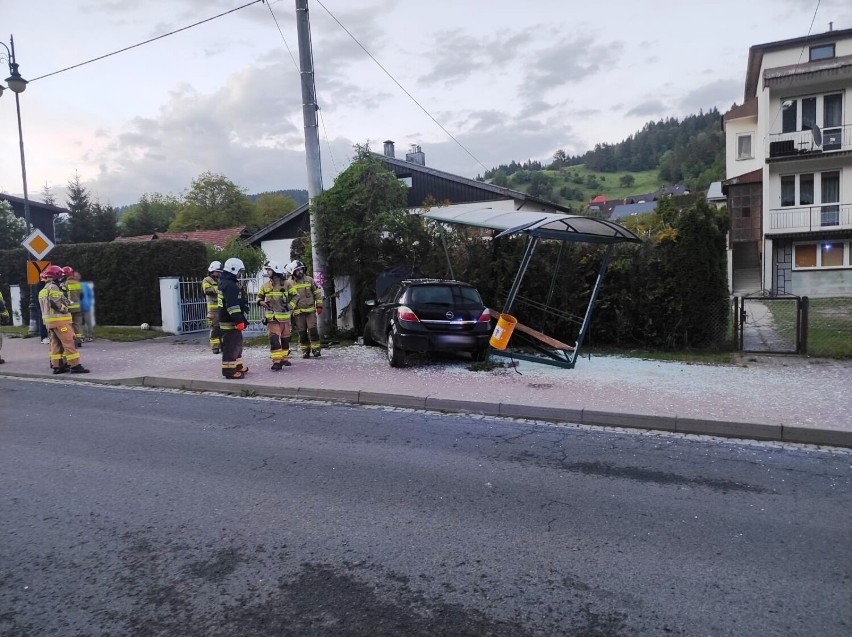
{"points": [[668, 423]]}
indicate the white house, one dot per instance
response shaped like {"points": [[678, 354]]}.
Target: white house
{"points": [[789, 169]]}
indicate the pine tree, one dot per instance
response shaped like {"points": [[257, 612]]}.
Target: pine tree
{"points": [[81, 226]]}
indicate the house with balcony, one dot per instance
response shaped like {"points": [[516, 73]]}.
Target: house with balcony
{"points": [[788, 181]]}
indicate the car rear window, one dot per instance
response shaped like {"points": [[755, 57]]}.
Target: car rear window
{"points": [[445, 295]]}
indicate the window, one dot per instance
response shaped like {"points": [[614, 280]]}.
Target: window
{"points": [[806, 255], [806, 190], [788, 190], [744, 146], [831, 254], [830, 198], [811, 112], [789, 116], [822, 254], [822, 52]]}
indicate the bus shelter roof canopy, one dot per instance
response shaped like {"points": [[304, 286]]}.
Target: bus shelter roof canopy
{"points": [[543, 225]]}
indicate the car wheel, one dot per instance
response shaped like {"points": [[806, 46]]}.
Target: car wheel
{"points": [[481, 355], [396, 356], [368, 336]]}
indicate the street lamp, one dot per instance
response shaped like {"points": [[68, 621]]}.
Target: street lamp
{"points": [[18, 85]]}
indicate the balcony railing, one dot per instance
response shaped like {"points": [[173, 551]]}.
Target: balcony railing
{"points": [[810, 218], [833, 139]]}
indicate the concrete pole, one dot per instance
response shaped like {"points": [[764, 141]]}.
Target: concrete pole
{"points": [[312, 156]]}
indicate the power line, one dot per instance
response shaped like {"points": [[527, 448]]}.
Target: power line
{"points": [[159, 37], [410, 96]]}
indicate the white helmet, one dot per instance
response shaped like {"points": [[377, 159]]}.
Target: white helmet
{"points": [[215, 266], [276, 267], [234, 266], [295, 265]]}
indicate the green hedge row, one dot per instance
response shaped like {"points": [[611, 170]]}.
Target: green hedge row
{"points": [[125, 275]]}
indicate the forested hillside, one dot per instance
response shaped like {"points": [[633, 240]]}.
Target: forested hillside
{"points": [[690, 152]]}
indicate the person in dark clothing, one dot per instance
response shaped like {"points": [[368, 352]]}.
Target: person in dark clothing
{"points": [[233, 309]]}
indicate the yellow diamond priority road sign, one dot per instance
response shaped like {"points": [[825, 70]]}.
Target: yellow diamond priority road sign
{"points": [[38, 244]]}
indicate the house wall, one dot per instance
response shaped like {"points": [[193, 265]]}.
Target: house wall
{"points": [[733, 129], [811, 283], [277, 250]]}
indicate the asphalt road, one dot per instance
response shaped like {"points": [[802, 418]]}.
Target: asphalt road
{"points": [[140, 512]]}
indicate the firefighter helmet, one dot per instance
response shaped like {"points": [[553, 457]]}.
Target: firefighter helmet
{"points": [[67, 270], [296, 265], [234, 265], [276, 267], [52, 272], [215, 266]]}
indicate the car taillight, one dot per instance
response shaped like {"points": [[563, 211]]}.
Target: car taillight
{"points": [[404, 313], [485, 317]]}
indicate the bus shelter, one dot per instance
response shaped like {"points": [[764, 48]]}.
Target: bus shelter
{"points": [[540, 226]]}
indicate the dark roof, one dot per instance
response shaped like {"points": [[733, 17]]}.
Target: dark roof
{"points": [[18, 203], [628, 209], [454, 187], [753, 177], [756, 52], [290, 217], [746, 109], [218, 238]]}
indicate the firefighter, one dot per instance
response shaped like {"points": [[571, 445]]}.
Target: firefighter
{"points": [[233, 309], [273, 295], [306, 303], [64, 356], [73, 292], [210, 287]]}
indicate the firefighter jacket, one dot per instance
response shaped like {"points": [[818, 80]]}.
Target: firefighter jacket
{"points": [[73, 291], [305, 295], [232, 302], [4, 311], [210, 287], [276, 292], [53, 305]]}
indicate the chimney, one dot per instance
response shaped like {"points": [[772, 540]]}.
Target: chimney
{"points": [[416, 156], [389, 151]]}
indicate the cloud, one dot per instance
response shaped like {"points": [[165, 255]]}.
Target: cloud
{"points": [[567, 63], [650, 108], [721, 94]]}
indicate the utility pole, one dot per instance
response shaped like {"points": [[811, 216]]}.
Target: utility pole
{"points": [[312, 155]]}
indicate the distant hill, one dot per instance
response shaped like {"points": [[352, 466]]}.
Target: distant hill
{"points": [[690, 152], [299, 196]]}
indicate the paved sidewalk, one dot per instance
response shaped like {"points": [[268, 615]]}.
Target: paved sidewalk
{"points": [[764, 398]]}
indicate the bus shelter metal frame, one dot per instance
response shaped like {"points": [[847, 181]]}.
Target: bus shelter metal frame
{"points": [[539, 226]]}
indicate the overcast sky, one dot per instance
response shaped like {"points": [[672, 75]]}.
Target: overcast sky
{"points": [[509, 80]]}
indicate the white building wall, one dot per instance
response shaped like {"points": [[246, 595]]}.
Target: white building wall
{"points": [[733, 129], [277, 250]]}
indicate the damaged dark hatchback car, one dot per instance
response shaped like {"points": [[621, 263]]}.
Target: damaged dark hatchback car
{"points": [[428, 315]]}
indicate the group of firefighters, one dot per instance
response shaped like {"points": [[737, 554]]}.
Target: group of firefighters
{"points": [[291, 300]]}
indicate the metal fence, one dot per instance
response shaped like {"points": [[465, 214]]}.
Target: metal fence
{"points": [[193, 306], [794, 325], [827, 327]]}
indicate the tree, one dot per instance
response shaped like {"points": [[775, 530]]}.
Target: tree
{"points": [[104, 224], [13, 230], [81, 223], [253, 258], [213, 202], [153, 213], [627, 180], [364, 225], [270, 207]]}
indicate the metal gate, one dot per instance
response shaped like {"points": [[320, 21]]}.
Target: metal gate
{"points": [[770, 324], [193, 306]]}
